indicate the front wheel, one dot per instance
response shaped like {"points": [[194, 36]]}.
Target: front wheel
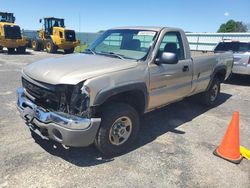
{"points": [[11, 50], [118, 130], [210, 96], [50, 46], [69, 51], [21, 50]]}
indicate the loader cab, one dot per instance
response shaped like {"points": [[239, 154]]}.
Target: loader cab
{"points": [[49, 23], [7, 17]]}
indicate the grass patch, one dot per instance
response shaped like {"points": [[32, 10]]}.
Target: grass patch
{"points": [[81, 48]]}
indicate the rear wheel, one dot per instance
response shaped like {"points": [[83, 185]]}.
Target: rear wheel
{"points": [[118, 130], [36, 44], [11, 50], [210, 96], [50, 46], [69, 51], [21, 49]]}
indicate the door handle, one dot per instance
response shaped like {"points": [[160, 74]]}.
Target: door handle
{"points": [[185, 68]]}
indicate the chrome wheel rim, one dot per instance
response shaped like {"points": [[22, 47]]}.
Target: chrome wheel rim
{"points": [[214, 92], [33, 44], [120, 131], [48, 46]]}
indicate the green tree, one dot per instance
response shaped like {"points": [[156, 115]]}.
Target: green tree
{"points": [[233, 26], [101, 31]]}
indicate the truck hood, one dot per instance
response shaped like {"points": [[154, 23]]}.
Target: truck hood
{"points": [[72, 69]]}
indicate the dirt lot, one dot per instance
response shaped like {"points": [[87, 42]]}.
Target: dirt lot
{"points": [[174, 148]]}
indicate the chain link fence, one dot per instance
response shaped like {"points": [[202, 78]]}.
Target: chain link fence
{"points": [[197, 41]]}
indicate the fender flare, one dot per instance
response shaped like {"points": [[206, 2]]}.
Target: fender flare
{"points": [[216, 70], [103, 95]]}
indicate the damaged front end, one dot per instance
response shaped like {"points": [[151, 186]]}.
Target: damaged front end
{"points": [[69, 99], [58, 112], [78, 101]]}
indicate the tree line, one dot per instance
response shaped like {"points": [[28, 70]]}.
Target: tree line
{"points": [[233, 26]]}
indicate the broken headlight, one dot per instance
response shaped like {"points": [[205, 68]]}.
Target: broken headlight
{"points": [[79, 101]]}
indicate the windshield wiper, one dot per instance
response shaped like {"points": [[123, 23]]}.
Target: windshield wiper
{"points": [[112, 54], [89, 50]]}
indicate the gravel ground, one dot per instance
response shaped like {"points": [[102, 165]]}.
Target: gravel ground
{"points": [[174, 147]]}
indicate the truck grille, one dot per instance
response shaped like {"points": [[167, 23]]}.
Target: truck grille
{"points": [[70, 35], [12, 32], [49, 99]]}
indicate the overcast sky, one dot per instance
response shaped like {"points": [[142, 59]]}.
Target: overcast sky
{"points": [[95, 15]]}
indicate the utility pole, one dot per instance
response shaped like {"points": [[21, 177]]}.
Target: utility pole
{"points": [[79, 22]]}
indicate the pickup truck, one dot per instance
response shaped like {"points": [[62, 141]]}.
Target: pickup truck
{"points": [[97, 97]]}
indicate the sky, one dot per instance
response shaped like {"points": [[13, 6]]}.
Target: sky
{"points": [[96, 15]]}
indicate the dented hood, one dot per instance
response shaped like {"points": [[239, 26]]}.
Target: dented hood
{"points": [[75, 68]]}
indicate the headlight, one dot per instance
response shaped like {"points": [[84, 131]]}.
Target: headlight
{"points": [[85, 90], [79, 103]]}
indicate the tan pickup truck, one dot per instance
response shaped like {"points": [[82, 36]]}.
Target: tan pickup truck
{"points": [[98, 96]]}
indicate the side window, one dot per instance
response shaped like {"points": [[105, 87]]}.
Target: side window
{"points": [[172, 42]]}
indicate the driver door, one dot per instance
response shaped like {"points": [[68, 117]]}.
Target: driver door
{"points": [[170, 82]]}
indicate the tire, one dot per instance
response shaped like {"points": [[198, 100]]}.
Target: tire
{"points": [[69, 51], [210, 96], [50, 46], [113, 116], [11, 50], [21, 50], [36, 45]]}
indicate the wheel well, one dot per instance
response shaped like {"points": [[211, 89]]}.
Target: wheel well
{"points": [[221, 74], [136, 99]]}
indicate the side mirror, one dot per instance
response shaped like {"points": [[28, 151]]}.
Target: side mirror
{"points": [[167, 58], [40, 20]]}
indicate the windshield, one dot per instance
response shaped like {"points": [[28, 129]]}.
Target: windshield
{"points": [[57, 23], [126, 43], [233, 46], [7, 17]]}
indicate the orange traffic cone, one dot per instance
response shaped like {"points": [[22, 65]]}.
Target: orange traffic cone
{"points": [[229, 148]]}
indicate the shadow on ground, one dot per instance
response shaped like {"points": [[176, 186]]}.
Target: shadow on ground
{"points": [[57, 52], [5, 52], [242, 80], [153, 125]]}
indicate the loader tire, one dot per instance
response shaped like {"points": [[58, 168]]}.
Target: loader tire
{"points": [[69, 51], [50, 46], [36, 45], [11, 50], [21, 50]]}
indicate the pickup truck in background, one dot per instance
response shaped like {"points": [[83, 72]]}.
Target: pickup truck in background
{"points": [[99, 95], [241, 52]]}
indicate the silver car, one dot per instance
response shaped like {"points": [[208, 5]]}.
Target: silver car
{"points": [[241, 52]]}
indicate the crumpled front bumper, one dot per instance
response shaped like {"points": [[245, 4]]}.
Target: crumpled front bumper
{"points": [[64, 128]]}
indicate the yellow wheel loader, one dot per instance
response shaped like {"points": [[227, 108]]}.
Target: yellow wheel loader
{"points": [[55, 36], [10, 34]]}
